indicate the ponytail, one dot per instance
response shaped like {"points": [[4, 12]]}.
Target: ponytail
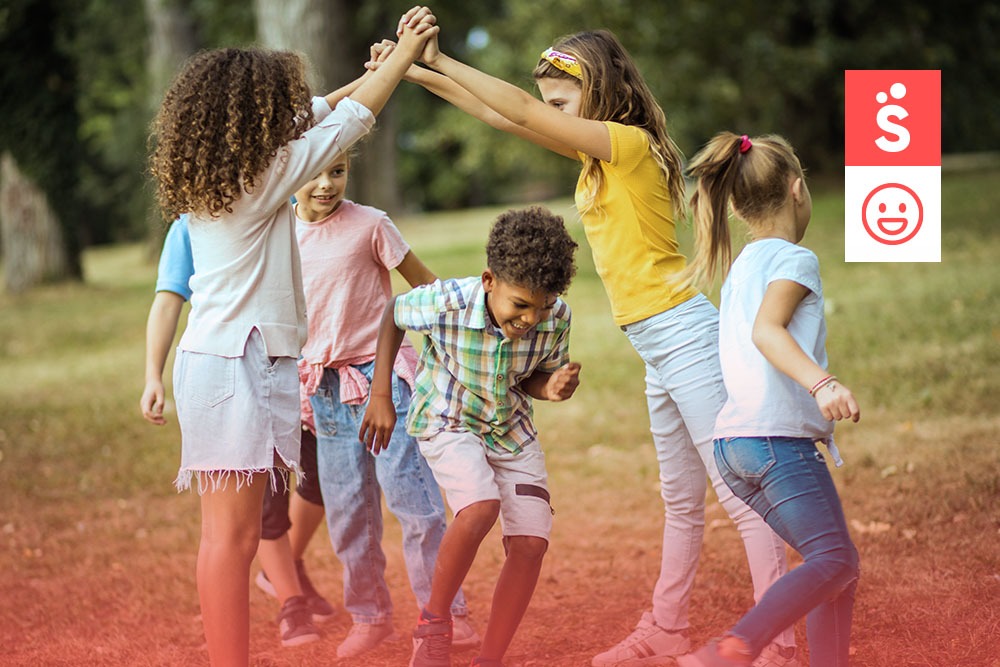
{"points": [[750, 175]]}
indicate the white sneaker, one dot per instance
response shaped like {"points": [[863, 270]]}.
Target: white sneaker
{"points": [[649, 644], [363, 637], [775, 655], [463, 635]]}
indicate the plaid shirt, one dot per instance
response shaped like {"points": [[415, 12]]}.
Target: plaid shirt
{"points": [[469, 374]]}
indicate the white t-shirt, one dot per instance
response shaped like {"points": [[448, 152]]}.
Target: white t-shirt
{"points": [[762, 400], [247, 269]]}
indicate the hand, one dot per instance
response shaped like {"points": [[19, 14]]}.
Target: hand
{"points": [[415, 28], [151, 403], [378, 52], [378, 423], [563, 382], [836, 402], [431, 49]]}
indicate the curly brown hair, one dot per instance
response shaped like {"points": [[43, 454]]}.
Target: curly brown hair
{"points": [[531, 248], [221, 123]]}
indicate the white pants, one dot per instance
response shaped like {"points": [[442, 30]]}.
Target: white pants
{"points": [[684, 392]]}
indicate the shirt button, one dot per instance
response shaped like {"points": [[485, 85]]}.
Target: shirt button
{"points": [[500, 377], [500, 403]]}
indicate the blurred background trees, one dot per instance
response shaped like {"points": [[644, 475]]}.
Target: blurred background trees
{"points": [[79, 80]]}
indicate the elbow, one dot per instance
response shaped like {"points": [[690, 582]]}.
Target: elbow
{"points": [[759, 337]]}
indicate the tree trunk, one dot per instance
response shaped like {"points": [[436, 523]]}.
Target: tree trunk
{"points": [[33, 247], [173, 38], [325, 31]]}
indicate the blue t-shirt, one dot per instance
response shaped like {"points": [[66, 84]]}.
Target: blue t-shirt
{"points": [[176, 261]]}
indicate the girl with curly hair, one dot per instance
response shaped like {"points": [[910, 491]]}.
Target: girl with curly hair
{"points": [[237, 134]]}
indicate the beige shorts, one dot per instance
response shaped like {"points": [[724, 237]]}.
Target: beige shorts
{"points": [[469, 472]]}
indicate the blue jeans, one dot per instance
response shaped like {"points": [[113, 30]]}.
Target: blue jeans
{"points": [[352, 481], [787, 482], [684, 393]]}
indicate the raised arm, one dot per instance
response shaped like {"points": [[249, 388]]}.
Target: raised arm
{"points": [[566, 134], [380, 416], [374, 90], [450, 91], [771, 336]]}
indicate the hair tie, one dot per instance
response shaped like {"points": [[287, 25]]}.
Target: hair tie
{"points": [[564, 62], [745, 144]]}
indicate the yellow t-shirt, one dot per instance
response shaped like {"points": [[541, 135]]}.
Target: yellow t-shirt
{"points": [[631, 230]]}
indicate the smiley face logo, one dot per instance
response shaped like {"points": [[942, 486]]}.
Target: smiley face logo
{"points": [[892, 214]]}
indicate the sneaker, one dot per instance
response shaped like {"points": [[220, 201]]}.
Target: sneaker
{"points": [[431, 644], [363, 637], [776, 655], [649, 644], [463, 635], [295, 622], [321, 609]]}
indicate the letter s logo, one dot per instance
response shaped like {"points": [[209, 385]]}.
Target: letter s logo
{"points": [[892, 111]]}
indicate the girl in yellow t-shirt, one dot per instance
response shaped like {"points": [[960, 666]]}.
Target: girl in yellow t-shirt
{"points": [[597, 109]]}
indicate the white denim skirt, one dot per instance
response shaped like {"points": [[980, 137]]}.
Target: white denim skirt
{"points": [[238, 416]]}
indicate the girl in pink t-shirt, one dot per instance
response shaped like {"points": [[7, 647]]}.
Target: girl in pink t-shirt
{"points": [[347, 252]]}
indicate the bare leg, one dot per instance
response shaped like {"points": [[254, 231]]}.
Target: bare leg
{"points": [[513, 593], [276, 559], [230, 531], [457, 551], [306, 518]]}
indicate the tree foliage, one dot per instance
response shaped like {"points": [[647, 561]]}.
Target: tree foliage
{"points": [[74, 90]]}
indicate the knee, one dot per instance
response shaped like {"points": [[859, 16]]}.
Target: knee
{"points": [[478, 518], [526, 547], [842, 565]]}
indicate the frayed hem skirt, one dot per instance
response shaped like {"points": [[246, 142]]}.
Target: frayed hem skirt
{"points": [[238, 416]]}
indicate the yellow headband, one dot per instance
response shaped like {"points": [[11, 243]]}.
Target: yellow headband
{"points": [[563, 61]]}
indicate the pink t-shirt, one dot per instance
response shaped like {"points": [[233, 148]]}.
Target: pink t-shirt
{"points": [[346, 259]]}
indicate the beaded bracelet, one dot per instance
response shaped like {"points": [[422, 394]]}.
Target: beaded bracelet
{"points": [[822, 383]]}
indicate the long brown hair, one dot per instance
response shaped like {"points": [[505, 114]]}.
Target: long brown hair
{"points": [[753, 181], [221, 123], [614, 90]]}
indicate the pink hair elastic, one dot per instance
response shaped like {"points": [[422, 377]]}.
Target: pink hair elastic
{"points": [[745, 143]]}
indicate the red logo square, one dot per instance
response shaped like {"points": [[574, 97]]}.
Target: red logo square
{"points": [[892, 118]]}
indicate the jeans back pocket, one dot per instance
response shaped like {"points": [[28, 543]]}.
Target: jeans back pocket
{"points": [[748, 458]]}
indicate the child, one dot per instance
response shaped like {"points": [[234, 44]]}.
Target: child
{"points": [[283, 540], [597, 109], [781, 399], [232, 141], [347, 252], [491, 344]]}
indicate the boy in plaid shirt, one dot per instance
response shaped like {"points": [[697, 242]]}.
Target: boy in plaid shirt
{"points": [[491, 344]]}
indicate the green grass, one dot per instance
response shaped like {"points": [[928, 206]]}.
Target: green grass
{"points": [[97, 551]]}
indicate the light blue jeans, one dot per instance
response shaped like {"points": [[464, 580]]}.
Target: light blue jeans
{"points": [[786, 481], [684, 393], [352, 481]]}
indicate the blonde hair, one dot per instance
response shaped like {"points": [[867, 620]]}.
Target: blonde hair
{"points": [[614, 90], [754, 182], [222, 121]]}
